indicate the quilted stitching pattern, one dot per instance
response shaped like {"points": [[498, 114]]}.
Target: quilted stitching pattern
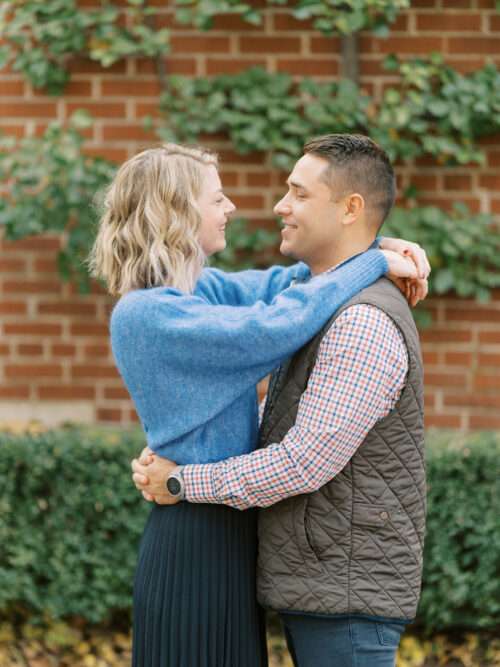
{"points": [[354, 546]]}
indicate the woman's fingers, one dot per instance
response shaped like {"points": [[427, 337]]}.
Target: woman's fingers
{"points": [[411, 250], [423, 289], [414, 295], [413, 289], [399, 265], [419, 258], [418, 290]]}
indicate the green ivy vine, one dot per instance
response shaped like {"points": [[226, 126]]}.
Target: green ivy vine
{"points": [[40, 37], [434, 111], [51, 188], [462, 259], [328, 16]]}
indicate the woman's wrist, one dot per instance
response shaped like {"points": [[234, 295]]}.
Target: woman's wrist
{"points": [[384, 261]]}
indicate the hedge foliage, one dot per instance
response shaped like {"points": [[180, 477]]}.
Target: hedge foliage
{"points": [[462, 550], [70, 523]]}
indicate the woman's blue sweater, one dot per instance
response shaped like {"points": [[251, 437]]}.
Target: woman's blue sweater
{"points": [[191, 362]]}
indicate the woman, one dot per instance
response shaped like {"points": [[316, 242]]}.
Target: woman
{"points": [[191, 345]]}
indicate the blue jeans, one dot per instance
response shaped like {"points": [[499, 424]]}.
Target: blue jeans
{"points": [[343, 642]]}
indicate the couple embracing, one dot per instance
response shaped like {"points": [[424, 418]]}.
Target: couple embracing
{"points": [[336, 463]]}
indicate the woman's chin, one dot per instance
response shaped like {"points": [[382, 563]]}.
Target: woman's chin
{"points": [[214, 248]]}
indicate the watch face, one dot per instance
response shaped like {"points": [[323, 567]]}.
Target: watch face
{"points": [[173, 486]]}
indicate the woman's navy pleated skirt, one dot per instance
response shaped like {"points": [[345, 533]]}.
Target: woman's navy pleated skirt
{"points": [[194, 591]]}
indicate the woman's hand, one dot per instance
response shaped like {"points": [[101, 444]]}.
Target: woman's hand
{"points": [[414, 289], [405, 275], [409, 250]]}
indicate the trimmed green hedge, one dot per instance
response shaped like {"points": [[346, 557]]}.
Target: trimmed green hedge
{"points": [[70, 523], [461, 586]]}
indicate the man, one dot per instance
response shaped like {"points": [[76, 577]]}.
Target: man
{"points": [[340, 468]]}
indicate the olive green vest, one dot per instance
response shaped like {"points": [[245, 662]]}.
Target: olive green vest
{"points": [[355, 545]]}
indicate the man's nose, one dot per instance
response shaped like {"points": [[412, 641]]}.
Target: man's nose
{"points": [[282, 207]]}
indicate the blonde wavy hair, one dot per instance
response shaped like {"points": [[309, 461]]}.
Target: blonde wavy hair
{"points": [[148, 232]]}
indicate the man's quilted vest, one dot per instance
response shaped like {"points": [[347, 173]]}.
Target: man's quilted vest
{"points": [[354, 546]]}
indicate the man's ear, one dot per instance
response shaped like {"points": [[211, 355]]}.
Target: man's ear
{"points": [[354, 206]]}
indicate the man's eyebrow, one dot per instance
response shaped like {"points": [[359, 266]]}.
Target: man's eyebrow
{"points": [[296, 185]]}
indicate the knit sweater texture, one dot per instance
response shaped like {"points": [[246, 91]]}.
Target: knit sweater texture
{"points": [[191, 362]]}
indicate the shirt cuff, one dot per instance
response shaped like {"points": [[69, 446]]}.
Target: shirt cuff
{"points": [[199, 483]]}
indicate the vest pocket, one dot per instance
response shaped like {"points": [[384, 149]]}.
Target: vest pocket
{"points": [[309, 535], [303, 534], [373, 516]]}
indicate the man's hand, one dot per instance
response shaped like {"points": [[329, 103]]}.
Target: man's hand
{"points": [[150, 473]]}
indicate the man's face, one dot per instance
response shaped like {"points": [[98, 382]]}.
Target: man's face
{"points": [[311, 220]]}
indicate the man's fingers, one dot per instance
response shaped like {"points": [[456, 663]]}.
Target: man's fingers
{"points": [[147, 496], [137, 467], [139, 479], [146, 457], [165, 500]]}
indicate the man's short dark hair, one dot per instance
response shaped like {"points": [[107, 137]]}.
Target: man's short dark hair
{"points": [[360, 166]]}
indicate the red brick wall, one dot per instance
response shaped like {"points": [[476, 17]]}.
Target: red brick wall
{"points": [[55, 362]]}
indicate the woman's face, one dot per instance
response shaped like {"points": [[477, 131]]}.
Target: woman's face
{"points": [[215, 208]]}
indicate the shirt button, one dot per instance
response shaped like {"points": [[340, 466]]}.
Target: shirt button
{"points": [[384, 516]]}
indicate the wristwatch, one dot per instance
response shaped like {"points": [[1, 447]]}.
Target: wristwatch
{"points": [[175, 483]]}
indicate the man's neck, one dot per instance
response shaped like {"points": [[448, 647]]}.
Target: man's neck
{"points": [[340, 254]]}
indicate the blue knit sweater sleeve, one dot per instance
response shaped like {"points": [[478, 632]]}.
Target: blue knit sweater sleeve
{"points": [[184, 357], [244, 288]]}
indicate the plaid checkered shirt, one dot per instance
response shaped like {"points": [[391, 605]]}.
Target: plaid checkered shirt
{"points": [[358, 377]]}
